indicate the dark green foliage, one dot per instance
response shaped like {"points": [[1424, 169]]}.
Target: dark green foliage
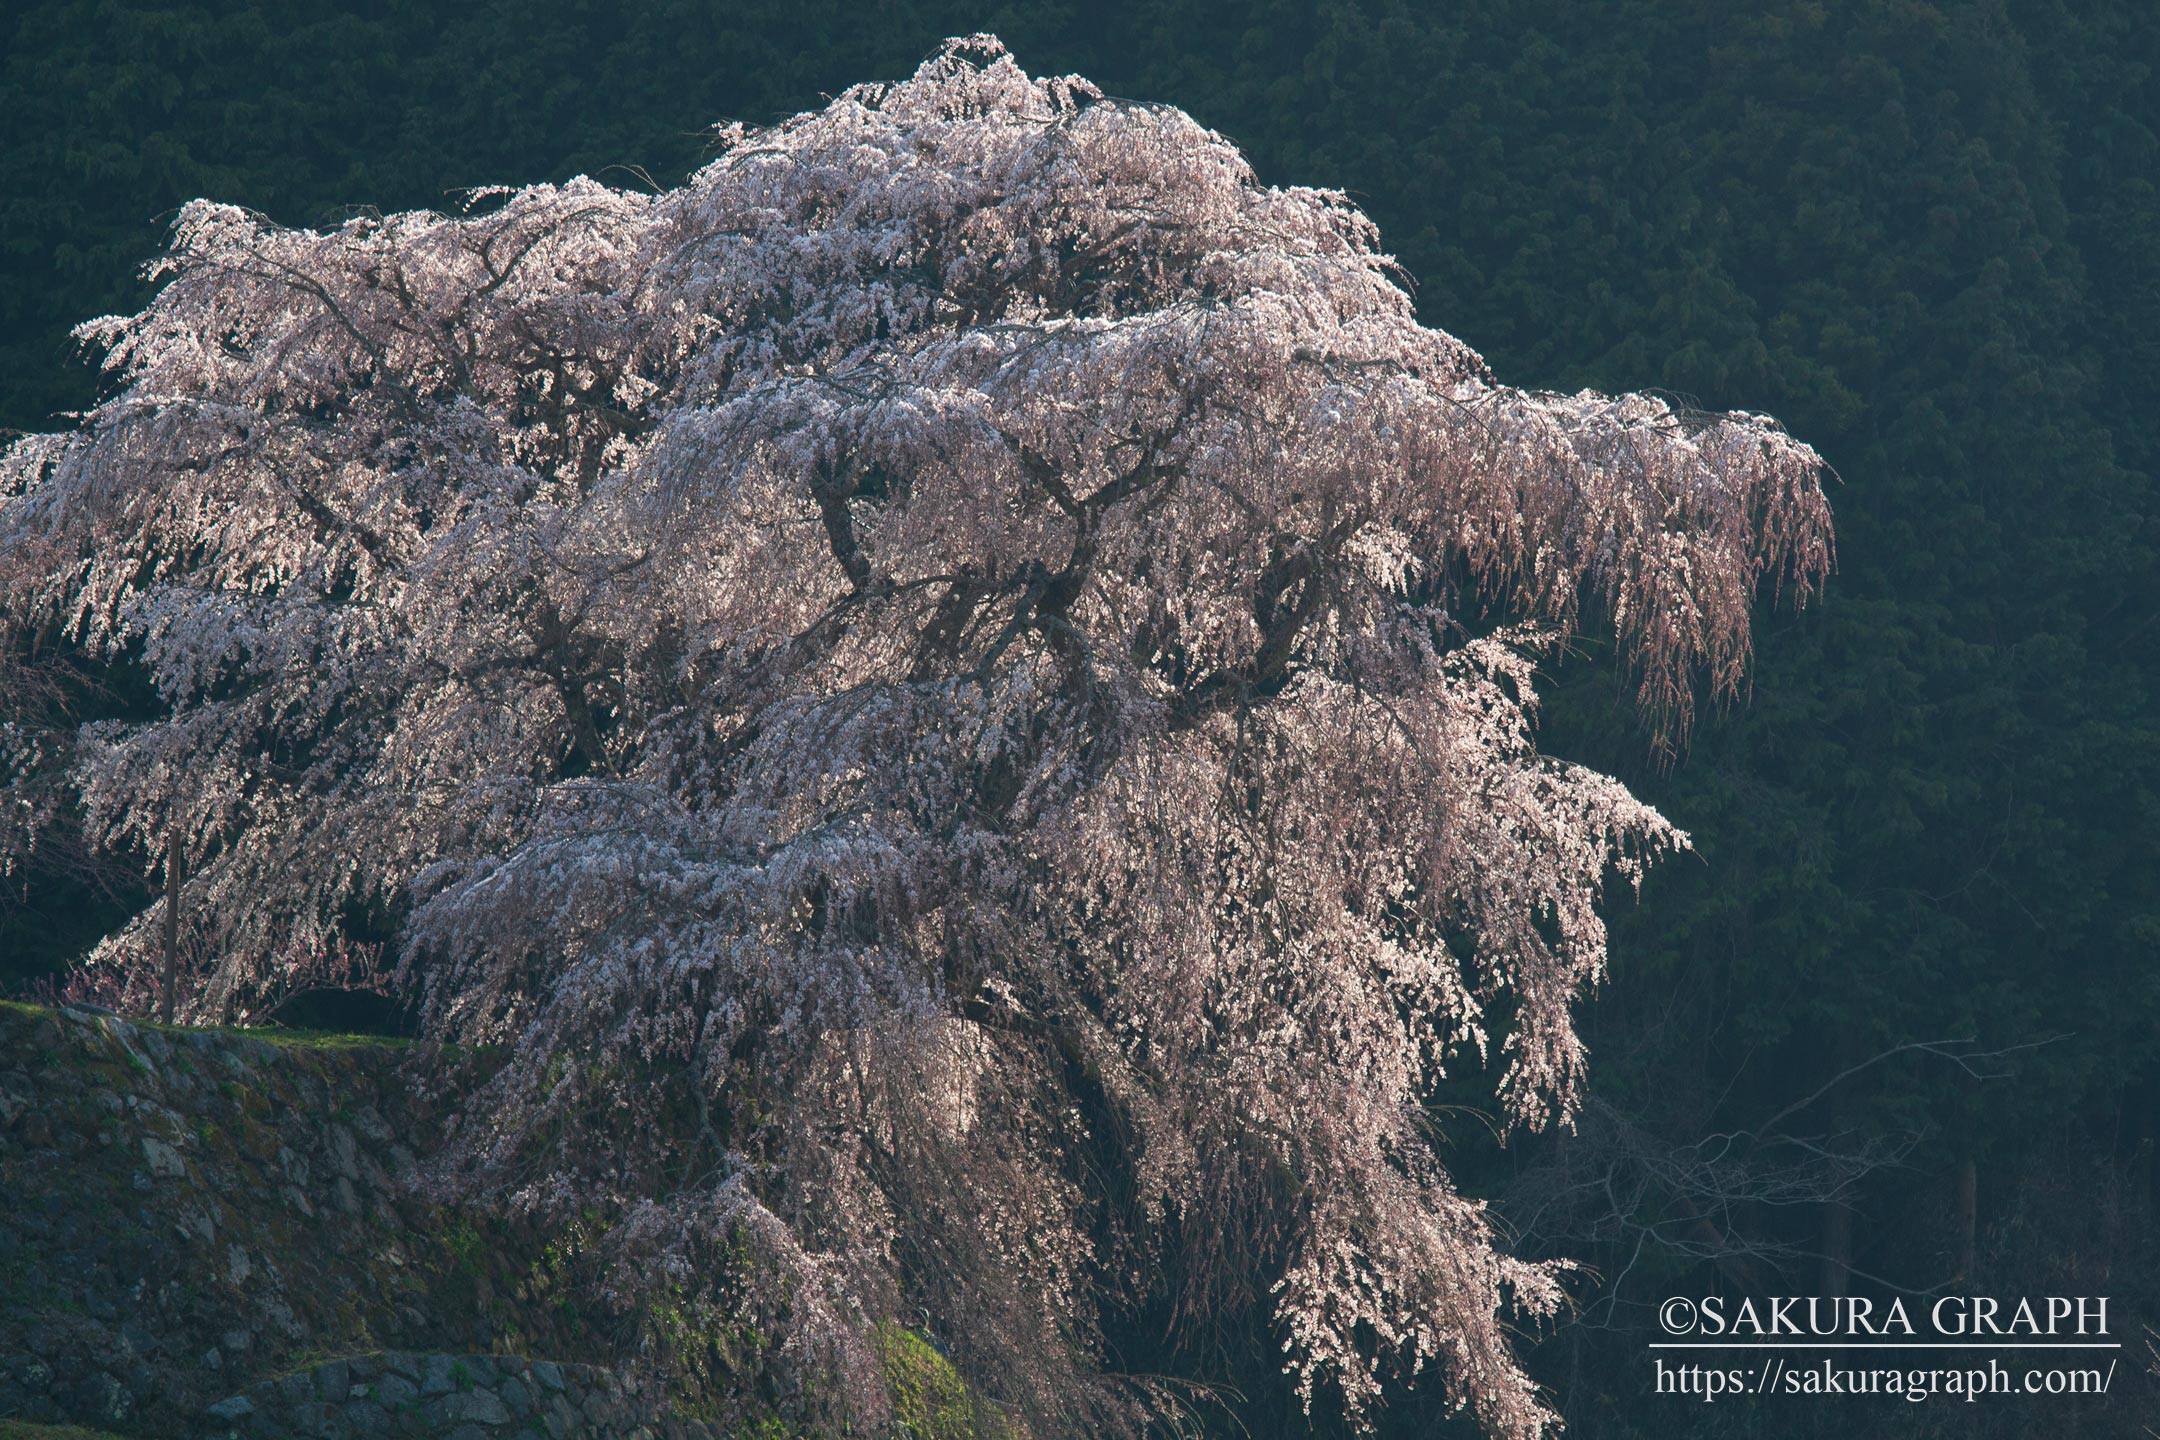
{"points": [[116, 113], [1927, 237]]}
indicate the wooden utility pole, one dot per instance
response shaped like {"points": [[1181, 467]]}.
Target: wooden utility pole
{"points": [[175, 877]]}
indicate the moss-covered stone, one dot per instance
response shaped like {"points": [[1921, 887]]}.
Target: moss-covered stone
{"points": [[195, 1213], [192, 1210], [930, 1401]]}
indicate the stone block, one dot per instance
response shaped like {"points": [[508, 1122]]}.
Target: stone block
{"points": [[480, 1407]]}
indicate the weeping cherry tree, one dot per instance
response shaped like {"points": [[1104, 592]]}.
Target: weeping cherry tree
{"points": [[955, 695]]}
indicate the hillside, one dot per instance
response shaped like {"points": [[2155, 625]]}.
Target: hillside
{"points": [[197, 1215]]}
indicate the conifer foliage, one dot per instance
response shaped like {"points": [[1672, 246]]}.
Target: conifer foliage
{"points": [[947, 658]]}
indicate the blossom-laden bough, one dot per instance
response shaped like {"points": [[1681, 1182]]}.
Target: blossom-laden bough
{"points": [[970, 644]]}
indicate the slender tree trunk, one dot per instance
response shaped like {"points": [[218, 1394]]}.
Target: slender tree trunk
{"points": [[175, 877], [1968, 1214], [1730, 1261], [1837, 1225], [1836, 1235], [2144, 1097]]}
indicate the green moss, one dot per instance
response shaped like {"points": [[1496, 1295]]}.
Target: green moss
{"points": [[324, 1040], [929, 1399], [462, 1238]]}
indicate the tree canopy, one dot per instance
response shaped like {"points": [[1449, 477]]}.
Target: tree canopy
{"points": [[963, 635]]}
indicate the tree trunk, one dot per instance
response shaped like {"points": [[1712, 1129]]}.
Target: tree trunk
{"points": [[1836, 1234], [2145, 1099], [1837, 1224], [1837, 1246], [175, 877], [1731, 1262], [1968, 1214]]}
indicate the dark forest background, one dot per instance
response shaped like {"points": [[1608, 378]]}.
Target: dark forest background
{"points": [[1895, 1027]]}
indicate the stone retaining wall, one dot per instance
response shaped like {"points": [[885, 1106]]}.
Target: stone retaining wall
{"points": [[446, 1397], [184, 1212]]}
